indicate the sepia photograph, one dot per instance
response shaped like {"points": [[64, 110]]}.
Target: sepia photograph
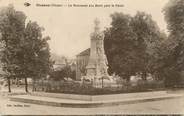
{"points": [[91, 57]]}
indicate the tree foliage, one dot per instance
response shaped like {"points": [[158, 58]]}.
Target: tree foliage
{"points": [[12, 25], [36, 51], [119, 46], [64, 73], [132, 44], [25, 53], [149, 41], [174, 59]]}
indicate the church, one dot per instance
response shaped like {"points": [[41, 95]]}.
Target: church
{"points": [[92, 62]]}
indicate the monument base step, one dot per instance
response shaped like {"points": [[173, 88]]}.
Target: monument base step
{"points": [[100, 97], [85, 104]]}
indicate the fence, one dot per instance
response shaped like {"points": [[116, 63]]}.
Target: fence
{"points": [[90, 88]]}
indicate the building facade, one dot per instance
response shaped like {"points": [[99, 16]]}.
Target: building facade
{"points": [[81, 63]]}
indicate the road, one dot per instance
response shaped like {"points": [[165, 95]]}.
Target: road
{"points": [[168, 106]]}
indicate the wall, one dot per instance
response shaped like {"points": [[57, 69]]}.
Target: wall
{"points": [[82, 61]]}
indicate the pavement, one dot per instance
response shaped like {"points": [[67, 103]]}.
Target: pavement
{"points": [[170, 103], [166, 106], [50, 101]]}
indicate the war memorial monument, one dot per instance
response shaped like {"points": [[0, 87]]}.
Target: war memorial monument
{"points": [[96, 61]]}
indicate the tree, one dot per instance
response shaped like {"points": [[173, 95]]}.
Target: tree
{"points": [[64, 72], [149, 39], [25, 52], [12, 25], [132, 44], [36, 53], [174, 60], [119, 45]]}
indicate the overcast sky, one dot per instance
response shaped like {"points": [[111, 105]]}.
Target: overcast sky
{"points": [[69, 28]]}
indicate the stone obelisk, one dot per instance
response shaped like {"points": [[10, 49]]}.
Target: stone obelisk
{"points": [[97, 64]]}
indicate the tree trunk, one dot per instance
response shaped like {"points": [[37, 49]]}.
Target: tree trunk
{"points": [[9, 84], [102, 83], [128, 79], [26, 85], [33, 85], [43, 86], [91, 82], [144, 76], [127, 82], [16, 82]]}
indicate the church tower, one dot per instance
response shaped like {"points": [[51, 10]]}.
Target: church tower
{"points": [[97, 64]]}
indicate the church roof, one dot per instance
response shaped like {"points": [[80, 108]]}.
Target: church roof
{"points": [[85, 52]]}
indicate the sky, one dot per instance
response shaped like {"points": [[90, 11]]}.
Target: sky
{"points": [[70, 27]]}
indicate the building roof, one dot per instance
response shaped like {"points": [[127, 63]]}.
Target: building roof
{"points": [[85, 52]]}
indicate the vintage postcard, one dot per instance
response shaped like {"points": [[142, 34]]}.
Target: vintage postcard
{"points": [[91, 57]]}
